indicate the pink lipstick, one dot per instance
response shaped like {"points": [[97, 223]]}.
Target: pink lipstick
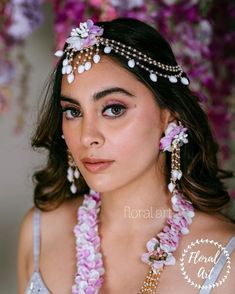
{"points": [[96, 164]]}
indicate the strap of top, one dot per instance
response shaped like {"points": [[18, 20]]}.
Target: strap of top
{"points": [[36, 238], [218, 266]]}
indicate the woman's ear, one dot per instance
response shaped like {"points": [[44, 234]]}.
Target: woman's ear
{"points": [[167, 117]]}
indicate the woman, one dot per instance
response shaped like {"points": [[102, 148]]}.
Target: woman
{"points": [[132, 176]]}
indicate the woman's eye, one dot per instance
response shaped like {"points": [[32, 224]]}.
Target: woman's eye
{"points": [[115, 110], [71, 113]]}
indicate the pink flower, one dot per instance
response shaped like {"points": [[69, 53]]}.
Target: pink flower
{"points": [[161, 247], [158, 258], [90, 268], [84, 36], [173, 134], [182, 205], [152, 244], [168, 241], [90, 265]]}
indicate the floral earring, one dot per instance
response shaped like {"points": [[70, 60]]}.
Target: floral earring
{"points": [[175, 137], [72, 173]]}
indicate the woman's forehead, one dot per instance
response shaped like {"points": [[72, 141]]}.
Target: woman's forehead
{"points": [[106, 74]]}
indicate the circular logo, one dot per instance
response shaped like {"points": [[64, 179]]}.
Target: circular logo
{"points": [[195, 257]]}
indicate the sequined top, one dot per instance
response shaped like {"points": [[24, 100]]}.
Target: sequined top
{"points": [[36, 284]]}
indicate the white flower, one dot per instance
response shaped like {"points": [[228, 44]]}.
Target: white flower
{"points": [[170, 127], [75, 43], [93, 274], [83, 30], [151, 245]]}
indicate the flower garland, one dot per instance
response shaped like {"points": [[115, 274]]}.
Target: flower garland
{"points": [[89, 259], [90, 269]]}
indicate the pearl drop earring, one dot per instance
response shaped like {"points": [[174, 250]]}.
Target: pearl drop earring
{"points": [[175, 137], [72, 173]]}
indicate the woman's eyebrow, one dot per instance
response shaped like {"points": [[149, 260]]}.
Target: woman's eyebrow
{"points": [[108, 91], [99, 95]]}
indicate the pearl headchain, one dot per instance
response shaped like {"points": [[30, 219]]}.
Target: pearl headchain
{"points": [[87, 40]]}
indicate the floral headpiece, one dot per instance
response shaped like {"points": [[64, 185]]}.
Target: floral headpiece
{"points": [[87, 39]]}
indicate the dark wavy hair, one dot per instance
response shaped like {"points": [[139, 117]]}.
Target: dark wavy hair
{"points": [[201, 180]]}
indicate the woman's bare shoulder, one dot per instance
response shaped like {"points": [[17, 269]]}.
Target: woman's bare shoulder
{"points": [[214, 224], [218, 230], [67, 208], [209, 226], [62, 216], [53, 222]]}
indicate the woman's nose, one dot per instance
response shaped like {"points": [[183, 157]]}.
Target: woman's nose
{"points": [[91, 133]]}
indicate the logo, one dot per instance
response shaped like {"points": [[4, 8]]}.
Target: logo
{"points": [[193, 255]]}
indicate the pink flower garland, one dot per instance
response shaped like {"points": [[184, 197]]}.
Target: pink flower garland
{"points": [[90, 268], [160, 248], [89, 259]]}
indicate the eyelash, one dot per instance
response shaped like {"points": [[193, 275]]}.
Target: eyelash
{"points": [[65, 109]]}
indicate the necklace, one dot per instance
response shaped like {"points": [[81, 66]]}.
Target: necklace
{"points": [[90, 270]]}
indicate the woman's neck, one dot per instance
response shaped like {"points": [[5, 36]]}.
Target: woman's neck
{"points": [[144, 203]]}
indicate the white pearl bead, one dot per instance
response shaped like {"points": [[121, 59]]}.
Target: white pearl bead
{"points": [[131, 63], [184, 81], [73, 188], [59, 53], [68, 69], [87, 65], [81, 69], [107, 49], [96, 58], [173, 79], [70, 177], [70, 171], [70, 78], [174, 174], [76, 173], [153, 77], [171, 187], [65, 62]]}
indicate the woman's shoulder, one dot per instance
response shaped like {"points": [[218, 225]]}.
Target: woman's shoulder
{"points": [[213, 226], [207, 226], [208, 234], [65, 210], [51, 223]]}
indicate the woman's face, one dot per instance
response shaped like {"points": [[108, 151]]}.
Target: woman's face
{"points": [[108, 114]]}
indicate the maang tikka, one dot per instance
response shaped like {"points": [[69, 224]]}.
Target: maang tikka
{"points": [[72, 173], [85, 42], [175, 137]]}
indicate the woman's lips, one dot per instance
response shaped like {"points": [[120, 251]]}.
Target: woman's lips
{"points": [[94, 167]]}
